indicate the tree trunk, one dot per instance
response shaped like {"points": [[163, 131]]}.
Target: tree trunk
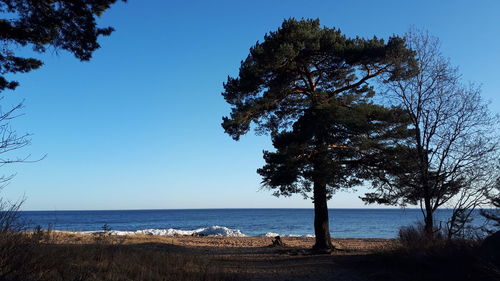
{"points": [[424, 181], [321, 223], [428, 220]]}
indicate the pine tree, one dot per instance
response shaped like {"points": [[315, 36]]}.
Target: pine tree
{"points": [[307, 86], [42, 25], [60, 24]]}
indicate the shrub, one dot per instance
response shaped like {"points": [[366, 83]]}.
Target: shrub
{"points": [[419, 257], [415, 237]]}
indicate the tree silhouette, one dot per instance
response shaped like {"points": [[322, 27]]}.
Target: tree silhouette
{"points": [[61, 24], [307, 86], [40, 25], [453, 151]]}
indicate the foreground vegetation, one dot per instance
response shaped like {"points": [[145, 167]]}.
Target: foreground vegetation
{"points": [[45, 256], [26, 257], [415, 257]]}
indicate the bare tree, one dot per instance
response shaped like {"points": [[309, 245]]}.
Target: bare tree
{"points": [[468, 200], [10, 220], [452, 143], [10, 140]]}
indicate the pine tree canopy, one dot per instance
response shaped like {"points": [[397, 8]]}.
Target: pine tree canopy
{"points": [[303, 65], [307, 86], [333, 145], [62, 24]]}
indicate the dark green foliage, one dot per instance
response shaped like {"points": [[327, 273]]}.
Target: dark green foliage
{"points": [[307, 86], [303, 65], [352, 135], [62, 24]]}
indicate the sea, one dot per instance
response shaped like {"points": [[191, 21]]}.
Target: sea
{"points": [[344, 223]]}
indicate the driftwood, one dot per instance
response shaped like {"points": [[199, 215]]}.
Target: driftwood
{"points": [[277, 242]]}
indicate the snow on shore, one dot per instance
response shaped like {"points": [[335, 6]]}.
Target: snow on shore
{"points": [[272, 234], [214, 230]]}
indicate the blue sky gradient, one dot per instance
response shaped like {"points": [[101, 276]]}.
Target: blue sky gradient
{"points": [[138, 127]]}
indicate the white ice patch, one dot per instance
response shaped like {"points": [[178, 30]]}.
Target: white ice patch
{"points": [[272, 234], [214, 230]]}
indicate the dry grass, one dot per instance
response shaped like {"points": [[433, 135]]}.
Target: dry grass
{"points": [[127, 262], [61, 256], [31, 257], [71, 256]]}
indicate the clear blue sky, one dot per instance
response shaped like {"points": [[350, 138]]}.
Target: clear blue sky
{"points": [[138, 127]]}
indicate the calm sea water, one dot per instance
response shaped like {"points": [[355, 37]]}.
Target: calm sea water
{"points": [[355, 223]]}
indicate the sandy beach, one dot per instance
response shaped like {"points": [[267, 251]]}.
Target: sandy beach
{"points": [[253, 258], [216, 242]]}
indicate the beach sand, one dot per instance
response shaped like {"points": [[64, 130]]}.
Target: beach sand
{"points": [[252, 258]]}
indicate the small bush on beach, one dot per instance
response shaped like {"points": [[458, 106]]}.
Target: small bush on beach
{"points": [[416, 256], [415, 237]]}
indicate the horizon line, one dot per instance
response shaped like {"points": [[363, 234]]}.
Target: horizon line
{"points": [[188, 209]]}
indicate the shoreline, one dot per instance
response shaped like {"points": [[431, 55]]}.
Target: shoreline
{"points": [[214, 242], [171, 232]]}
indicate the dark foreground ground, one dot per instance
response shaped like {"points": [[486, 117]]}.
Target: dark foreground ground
{"points": [[66, 256]]}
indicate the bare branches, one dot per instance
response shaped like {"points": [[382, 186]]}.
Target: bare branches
{"points": [[10, 141], [455, 142], [371, 72], [9, 215], [455, 130]]}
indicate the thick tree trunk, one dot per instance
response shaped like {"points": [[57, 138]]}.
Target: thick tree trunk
{"points": [[321, 222]]}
